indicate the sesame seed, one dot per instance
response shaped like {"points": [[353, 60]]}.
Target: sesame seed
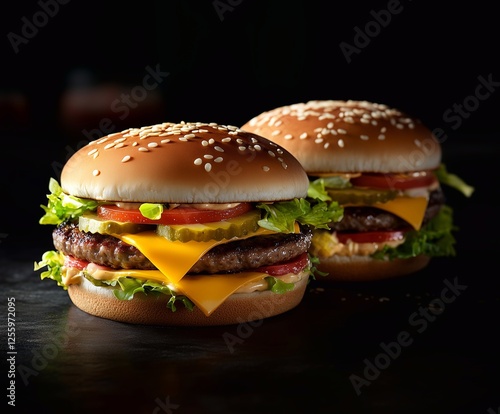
{"points": [[288, 136], [120, 145], [96, 155], [152, 144], [242, 148], [303, 135], [381, 137], [276, 132], [126, 158], [208, 157], [228, 139], [188, 136], [217, 148], [95, 173], [208, 167], [364, 137], [265, 168], [383, 129], [135, 143], [341, 131], [102, 140], [258, 147], [143, 149], [283, 164], [165, 141], [318, 140], [92, 151], [340, 143], [326, 145], [109, 146], [272, 154], [120, 140], [218, 159], [198, 161]]}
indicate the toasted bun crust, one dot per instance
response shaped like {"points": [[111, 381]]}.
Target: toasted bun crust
{"points": [[152, 310], [349, 137], [364, 268], [184, 163]]}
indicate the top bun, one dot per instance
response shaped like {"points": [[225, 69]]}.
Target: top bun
{"points": [[350, 137], [184, 163]]}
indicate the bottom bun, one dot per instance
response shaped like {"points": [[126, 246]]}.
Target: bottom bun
{"points": [[152, 309], [365, 268]]}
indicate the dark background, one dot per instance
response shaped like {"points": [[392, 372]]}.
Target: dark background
{"points": [[227, 61], [65, 77]]}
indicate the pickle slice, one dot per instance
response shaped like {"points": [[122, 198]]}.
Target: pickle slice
{"points": [[354, 195], [227, 229], [92, 223]]}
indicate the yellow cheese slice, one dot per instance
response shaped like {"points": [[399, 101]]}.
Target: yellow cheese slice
{"points": [[206, 291], [410, 209], [173, 258]]}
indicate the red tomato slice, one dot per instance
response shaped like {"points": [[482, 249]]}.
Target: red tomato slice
{"points": [[292, 266], [371, 236], [395, 181], [179, 215], [73, 262]]}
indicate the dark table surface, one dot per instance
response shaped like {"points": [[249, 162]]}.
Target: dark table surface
{"points": [[423, 343]]}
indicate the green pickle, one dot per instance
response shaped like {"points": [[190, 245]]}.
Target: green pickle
{"points": [[92, 223], [354, 195], [235, 227]]}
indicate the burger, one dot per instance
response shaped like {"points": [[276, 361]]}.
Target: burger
{"points": [[182, 224], [384, 168]]}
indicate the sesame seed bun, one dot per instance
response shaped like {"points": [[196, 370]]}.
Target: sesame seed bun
{"points": [[152, 309], [349, 137], [184, 163]]}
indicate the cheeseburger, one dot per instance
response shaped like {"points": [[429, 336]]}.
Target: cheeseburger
{"points": [[182, 224], [384, 168]]}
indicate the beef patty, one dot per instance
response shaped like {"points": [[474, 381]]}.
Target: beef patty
{"points": [[234, 256], [363, 219]]}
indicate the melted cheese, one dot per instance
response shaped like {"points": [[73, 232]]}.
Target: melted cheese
{"points": [[174, 259], [410, 209]]}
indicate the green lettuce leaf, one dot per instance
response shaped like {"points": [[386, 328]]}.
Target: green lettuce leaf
{"points": [[453, 181], [278, 286], [435, 239], [281, 216], [62, 206], [53, 261], [151, 211]]}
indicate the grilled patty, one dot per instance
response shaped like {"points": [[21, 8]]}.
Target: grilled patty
{"points": [[363, 219], [235, 256]]}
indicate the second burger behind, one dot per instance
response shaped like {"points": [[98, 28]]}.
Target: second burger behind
{"points": [[384, 167]]}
